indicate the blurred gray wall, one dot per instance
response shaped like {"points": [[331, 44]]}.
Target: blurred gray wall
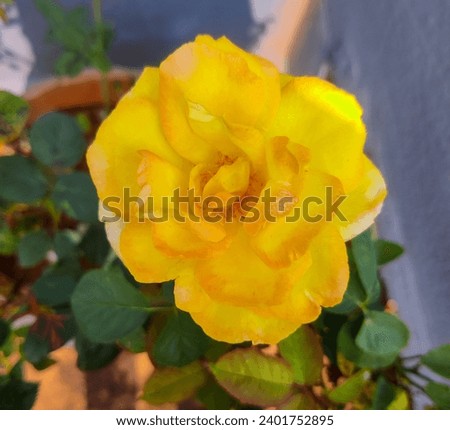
{"points": [[395, 56]]}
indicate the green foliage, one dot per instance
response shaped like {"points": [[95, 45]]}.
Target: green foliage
{"points": [[351, 389], [4, 331], [439, 393], [329, 325], [354, 297], [65, 243], [384, 394], [303, 351], [365, 258], [438, 360], [46, 335], [174, 384], [33, 248], [107, 307], [92, 356], [84, 43], [180, 342], [22, 180], [35, 348], [75, 195], [216, 350], [348, 347], [8, 240], [94, 245], [300, 401], [382, 333], [387, 251], [57, 140], [400, 402], [13, 116], [214, 397], [135, 341], [254, 378], [16, 394], [167, 291], [55, 286]]}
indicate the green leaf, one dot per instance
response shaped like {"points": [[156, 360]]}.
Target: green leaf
{"points": [[69, 63], [46, 335], [180, 342], [45, 363], [94, 245], [9, 346], [400, 402], [350, 389], [214, 397], [303, 351], [384, 394], [174, 384], [16, 394], [85, 122], [365, 258], [216, 350], [57, 141], [65, 243], [439, 393], [22, 180], [382, 333], [33, 248], [17, 371], [92, 356], [8, 240], [75, 195], [331, 325], [135, 341], [438, 360], [254, 378], [70, 29], [35, 347], [13, 116], [348, 347], [387, 251], [4, 331], [167, 291], [354, 296], [55, 287], [346, 367], [300, 402], [107, 307], [100, 61]]}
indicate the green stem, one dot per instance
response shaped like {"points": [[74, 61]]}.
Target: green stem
{"points": [[104, 84], [110, 258], [97, 10], [54, 213]]}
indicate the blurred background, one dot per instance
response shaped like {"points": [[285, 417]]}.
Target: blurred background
{"points": [[395, 56]]}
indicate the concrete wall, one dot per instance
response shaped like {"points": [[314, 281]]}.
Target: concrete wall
{"points": [[395, 56]]}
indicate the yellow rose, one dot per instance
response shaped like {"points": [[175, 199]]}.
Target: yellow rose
{"points": [[226, 124]]}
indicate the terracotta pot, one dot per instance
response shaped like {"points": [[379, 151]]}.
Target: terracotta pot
{"points": [[82, 91]]}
